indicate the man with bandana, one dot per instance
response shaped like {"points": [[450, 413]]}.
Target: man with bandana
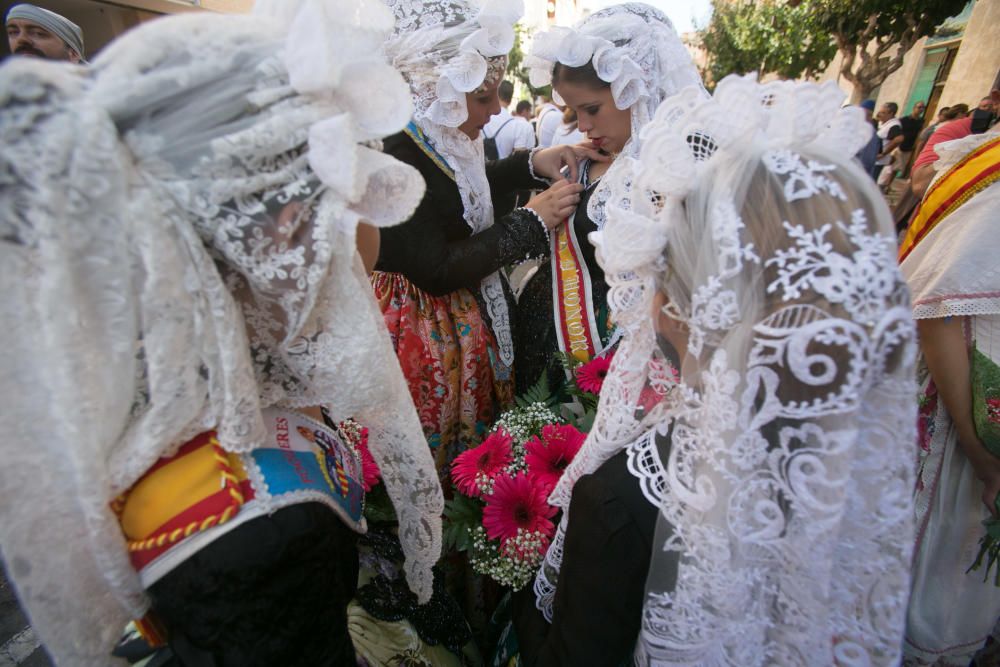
{"points": [[33, 31]]}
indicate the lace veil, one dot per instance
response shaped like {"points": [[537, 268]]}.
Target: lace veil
{"points": [[177, 227], [445, 49], [636, 50], [785, 527]]}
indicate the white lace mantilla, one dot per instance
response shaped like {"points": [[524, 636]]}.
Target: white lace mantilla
{"points": [[635, 48], [177, 227], [785, 500], [444, 49], [447, 48]]}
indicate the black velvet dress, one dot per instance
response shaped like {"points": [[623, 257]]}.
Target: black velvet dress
{"points": [[435, 249], [427, 282], [274, 591], [597, 611], [536, 340]]}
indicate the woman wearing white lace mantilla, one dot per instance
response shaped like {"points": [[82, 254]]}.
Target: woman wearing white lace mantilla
{"points": [[445, 300], [613, 69], [948, 257], [766, 493], [182, 295]]}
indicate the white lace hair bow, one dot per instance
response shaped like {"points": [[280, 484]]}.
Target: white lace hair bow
{"points": [[447, 48], [636, 50], [177, 227], [785, 524]]}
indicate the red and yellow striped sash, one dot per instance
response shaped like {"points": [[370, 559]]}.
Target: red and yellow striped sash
{"points": [[576, 326], [971, 175]]}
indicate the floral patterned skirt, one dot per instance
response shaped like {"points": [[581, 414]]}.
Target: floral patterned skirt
{"points": [[445, 349], [952, 613]]}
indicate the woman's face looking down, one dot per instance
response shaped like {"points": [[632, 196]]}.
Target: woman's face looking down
{"points": [[605, 125]]}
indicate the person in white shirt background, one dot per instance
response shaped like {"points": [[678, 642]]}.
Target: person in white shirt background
{"points": [[525, 111], [549, 118], [568, 131], [890, 131], [511, 132]]}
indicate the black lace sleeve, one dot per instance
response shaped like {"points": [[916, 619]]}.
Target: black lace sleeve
{"points": [[435, 249], [512, 173]]}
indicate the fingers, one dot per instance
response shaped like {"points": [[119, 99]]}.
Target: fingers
{"points": [[552, 222], [569, 195], [567, 200], [557, 203], [564, 211], [568, 160], [990, 500], [560, 188], [588, 150]]}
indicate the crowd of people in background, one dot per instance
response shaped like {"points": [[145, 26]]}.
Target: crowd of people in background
{"points": [[899, 143]]}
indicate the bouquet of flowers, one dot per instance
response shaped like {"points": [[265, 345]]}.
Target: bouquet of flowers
{"points": [[500, 512]]}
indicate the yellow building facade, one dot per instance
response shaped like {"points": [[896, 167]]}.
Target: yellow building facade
{"points": [[959, 65]]}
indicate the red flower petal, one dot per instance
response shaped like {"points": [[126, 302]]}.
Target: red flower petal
{"points": [[548, 457], [490, 458], [517, 503], [590, 376]]}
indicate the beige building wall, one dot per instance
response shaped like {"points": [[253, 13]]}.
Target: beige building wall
{"points": [[976, 64], [228, 6], [174, 6], [896, 86], [978, 60]]}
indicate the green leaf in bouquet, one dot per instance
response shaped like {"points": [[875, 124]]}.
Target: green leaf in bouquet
{"points": [[462, 514], [540, 392], [378, 506], [586, 422], [985, 380], [989, 547], [568, 361], [586, 399]]}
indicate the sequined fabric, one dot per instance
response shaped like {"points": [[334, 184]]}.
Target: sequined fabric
{"points": [[536, 339]]}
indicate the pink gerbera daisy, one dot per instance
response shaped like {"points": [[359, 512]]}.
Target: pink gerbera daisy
{"points": [[993, 410], [491, 457], [548, 457], [357, 436], [517, 503], [370, 473], [590, 376]]}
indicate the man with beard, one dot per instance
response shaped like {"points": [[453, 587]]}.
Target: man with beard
{"points": [[33, 31]]}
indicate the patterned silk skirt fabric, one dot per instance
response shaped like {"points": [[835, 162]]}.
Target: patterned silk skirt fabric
{"points": [[445, 349], [952, 613]]}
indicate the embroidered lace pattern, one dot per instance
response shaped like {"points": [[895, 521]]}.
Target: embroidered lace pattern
{"points": [[445, 49], [633, 47], [785, 501], [179, 246]]}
